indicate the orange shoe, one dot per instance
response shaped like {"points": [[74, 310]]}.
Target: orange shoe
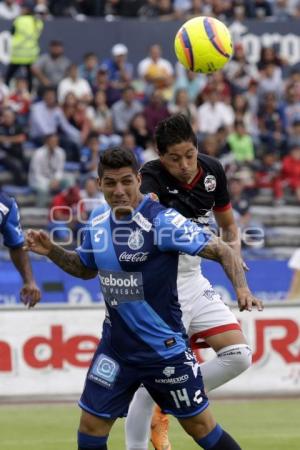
{"points": [[159, 430]]}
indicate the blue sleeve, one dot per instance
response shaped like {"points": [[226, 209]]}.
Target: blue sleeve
{"points": [[175, 232], [12, 230], [85, 251]]}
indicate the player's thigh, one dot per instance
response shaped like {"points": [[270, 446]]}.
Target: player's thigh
{"points": [[200, 425], [93, 425], [221, 340], [110, 385], [211, 317], [176, 385]]}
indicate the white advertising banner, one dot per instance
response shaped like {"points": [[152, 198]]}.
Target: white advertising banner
{"points": [[48, 351]]}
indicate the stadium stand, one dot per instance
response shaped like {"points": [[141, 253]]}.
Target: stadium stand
{"points": [[255, 109]]}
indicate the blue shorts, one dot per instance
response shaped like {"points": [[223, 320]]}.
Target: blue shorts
{"points": [[175, 384]]}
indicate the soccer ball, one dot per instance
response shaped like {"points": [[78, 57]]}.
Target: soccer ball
{"points": [[203, 44]]}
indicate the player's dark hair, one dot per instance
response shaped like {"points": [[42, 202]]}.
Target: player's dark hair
{"points": [[174, 130], [116, 158]]}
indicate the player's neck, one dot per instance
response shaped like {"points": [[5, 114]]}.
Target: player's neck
{"points": [[124, 213]]}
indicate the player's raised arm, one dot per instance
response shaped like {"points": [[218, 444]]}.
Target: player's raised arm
{"points": [[217, 250], [69, 261]]}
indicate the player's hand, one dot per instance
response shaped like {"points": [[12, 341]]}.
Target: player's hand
{"points": [[30, 294], [37, 242], [246, 300]]}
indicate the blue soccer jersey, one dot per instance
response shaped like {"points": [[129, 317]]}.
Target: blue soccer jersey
{"points": [[137, 262], [10, 226]]}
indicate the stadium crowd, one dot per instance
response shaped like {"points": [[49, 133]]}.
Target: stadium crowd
{"points": [[58, 117], [159, 9]]}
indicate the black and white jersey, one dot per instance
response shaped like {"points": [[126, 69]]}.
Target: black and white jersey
{"points": [[207, 192]]}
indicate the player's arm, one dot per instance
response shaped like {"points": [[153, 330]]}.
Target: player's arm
{"points": [[69, 261], [218, 250]]}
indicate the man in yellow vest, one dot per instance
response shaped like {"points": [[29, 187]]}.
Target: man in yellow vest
{"points": [[26, 31]]}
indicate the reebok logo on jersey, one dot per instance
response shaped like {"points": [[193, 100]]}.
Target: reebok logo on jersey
{"points": [[119, 287], [112, 281]]}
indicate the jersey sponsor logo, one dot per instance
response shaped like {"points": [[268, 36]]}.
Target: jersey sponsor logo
{"points": [[168, 371], [121, 287], [4, 209], [136, 240], [142, 221], [104, 371], [134, 257], [170, 213], [210, 183], [176, 380], [178, 221], [100, 218]]}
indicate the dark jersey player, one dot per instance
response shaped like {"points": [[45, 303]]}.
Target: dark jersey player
{"points": [[133, 245], [195, 185], [13, 239]]}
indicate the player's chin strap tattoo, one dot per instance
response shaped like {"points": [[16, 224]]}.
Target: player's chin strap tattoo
{"points": [[219, 251], [70, 262]]}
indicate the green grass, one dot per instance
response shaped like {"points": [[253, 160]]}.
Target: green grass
{"points": [[256, 425]]}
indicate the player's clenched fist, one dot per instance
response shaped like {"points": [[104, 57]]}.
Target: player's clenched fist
{"points": [[38, 242]]}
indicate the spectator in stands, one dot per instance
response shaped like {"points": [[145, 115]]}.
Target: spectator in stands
{"points": [[46, 172], [210, 146], [9, 9], [20, 100], [267, 174], [157, 72], [292, 105], [243, 113], [81, 120], [47, 118], [51, 67], [138, 127], [184, 106], [89, 69], [12, 138], [91, 197], [101, 115], [26, 31], [263, 8], [281, 10], [155, 111], [72, 83], [239, 71], [290, 173], [214, 113], [165, 10], [120, 71], [181, 8], [89, 157], [104, 84], [269, 55], [270, 80], [271, 122], [191, 81], [197, 8], [66, 215], [294, 133], [4, 93], [240, 143], [240, 200], [129, 143], [294, 264], [124, 110]]}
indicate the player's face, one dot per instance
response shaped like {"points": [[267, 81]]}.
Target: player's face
{"points": [[180, 160], [121, 189]]}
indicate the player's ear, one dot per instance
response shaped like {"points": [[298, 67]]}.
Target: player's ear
{"points": [[139, 178]]}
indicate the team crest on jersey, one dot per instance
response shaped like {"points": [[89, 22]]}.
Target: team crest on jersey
{"points": [[136, 240], [210, 183]]}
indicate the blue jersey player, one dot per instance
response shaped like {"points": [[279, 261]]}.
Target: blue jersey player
{"points": [[133, 245], [13, 239]]}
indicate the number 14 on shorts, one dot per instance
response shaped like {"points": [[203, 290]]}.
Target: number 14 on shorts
{"points": [[181, 396]]}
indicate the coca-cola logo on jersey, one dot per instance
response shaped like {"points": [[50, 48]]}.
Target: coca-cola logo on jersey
{"points": [[134, 257]]}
